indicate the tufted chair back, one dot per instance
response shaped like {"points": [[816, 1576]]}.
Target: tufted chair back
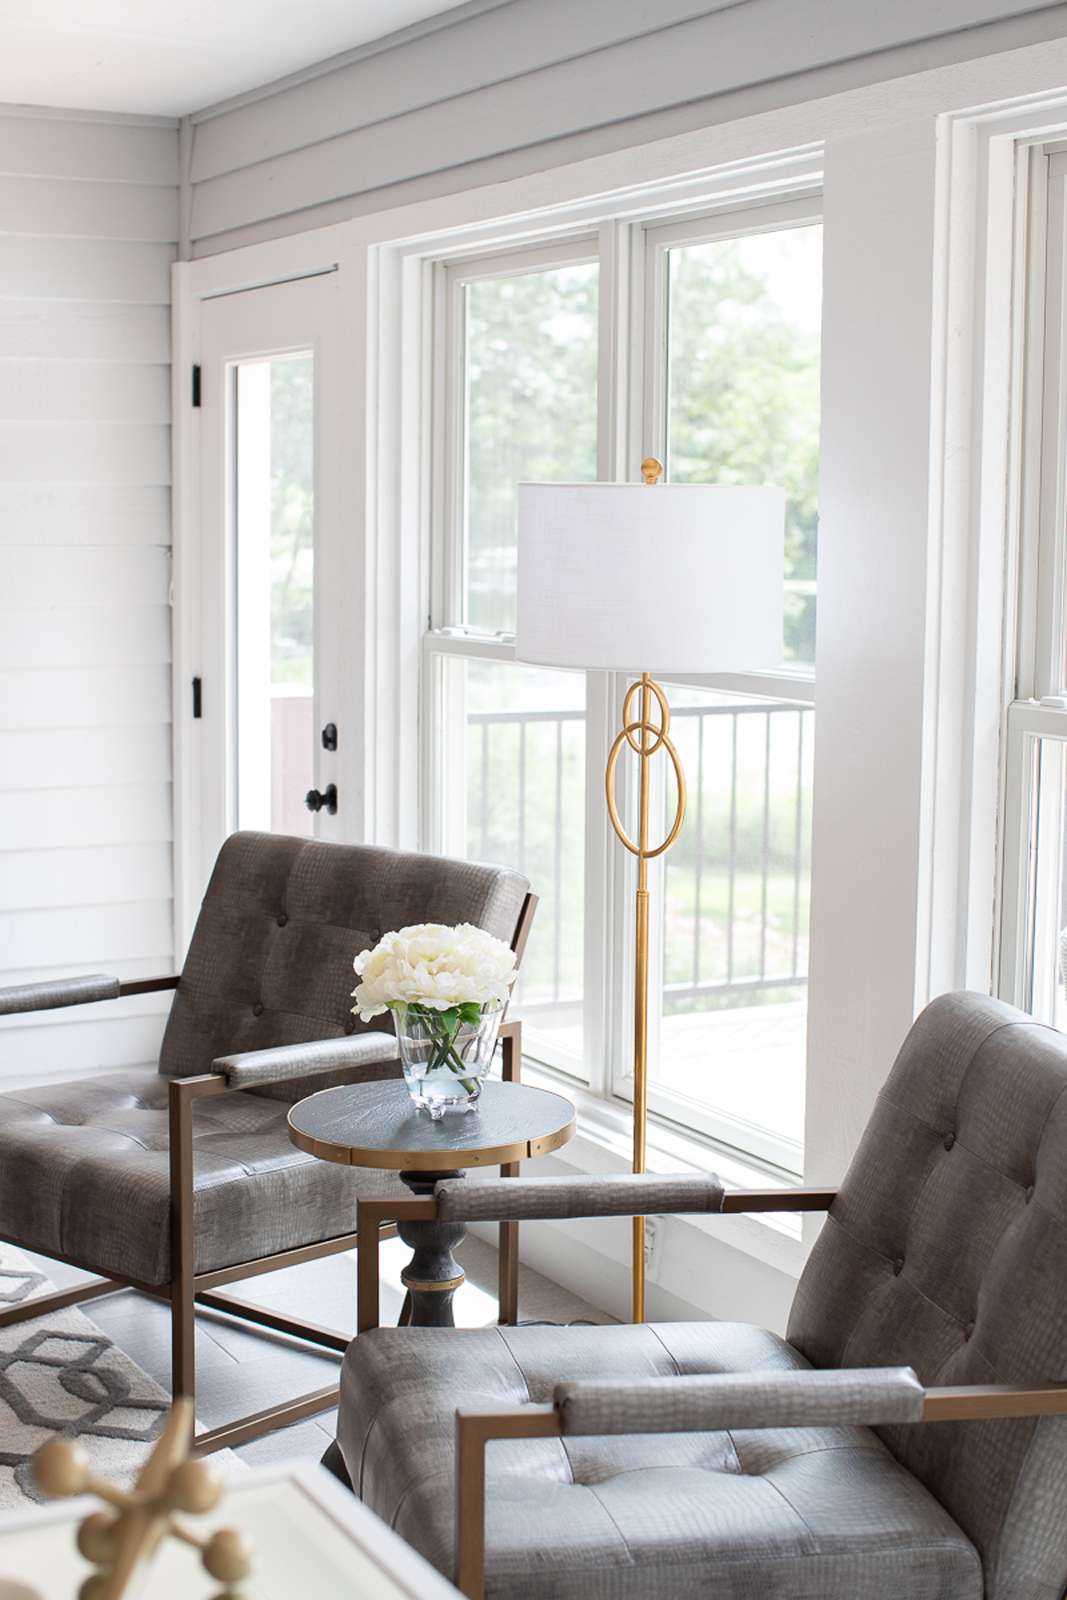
{"points": [[270, 962], [946, 1249]]}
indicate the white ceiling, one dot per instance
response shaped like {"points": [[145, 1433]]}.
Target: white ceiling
{"points": [[168, 57]]}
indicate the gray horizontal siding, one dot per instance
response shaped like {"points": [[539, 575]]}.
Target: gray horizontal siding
{"points": [[88, 231], [536, 82], [510, 42]]}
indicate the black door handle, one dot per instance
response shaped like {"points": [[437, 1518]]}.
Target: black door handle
{"points": [[324, 801]]}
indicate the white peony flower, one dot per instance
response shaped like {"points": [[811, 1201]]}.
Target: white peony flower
{"points": [[435, 966]]}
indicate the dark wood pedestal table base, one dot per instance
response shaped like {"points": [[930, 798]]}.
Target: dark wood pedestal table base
{"points": [[377, 1125]]}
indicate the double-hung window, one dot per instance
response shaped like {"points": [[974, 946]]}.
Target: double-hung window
{"points": [[505, 743], [718, 319], [1033, 929]]}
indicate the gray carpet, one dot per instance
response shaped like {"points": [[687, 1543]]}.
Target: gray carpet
{"points": [[240, 1368], [60, 1374]]}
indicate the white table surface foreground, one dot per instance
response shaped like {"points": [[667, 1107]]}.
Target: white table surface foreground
{"points": [[309, 1535]]}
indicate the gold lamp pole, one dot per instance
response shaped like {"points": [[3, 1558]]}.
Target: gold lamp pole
{"points": [[645, 738]]}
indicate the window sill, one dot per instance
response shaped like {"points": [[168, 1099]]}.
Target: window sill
{"points": [[603, 1144]]}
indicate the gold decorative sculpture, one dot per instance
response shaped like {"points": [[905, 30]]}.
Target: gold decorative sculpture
{"points": [[122, 1544]]}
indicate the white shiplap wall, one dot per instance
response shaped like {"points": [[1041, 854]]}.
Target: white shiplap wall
{"points": [[88, 230], [482, 94]]}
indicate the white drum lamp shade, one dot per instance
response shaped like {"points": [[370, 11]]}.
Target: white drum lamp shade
{"points": [[671, 578]]}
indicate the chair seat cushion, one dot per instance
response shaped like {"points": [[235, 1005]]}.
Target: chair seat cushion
{"points": [[779, 1514], [85, 1175]]}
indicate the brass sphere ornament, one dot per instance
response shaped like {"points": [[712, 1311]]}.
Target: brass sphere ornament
{"points": [[98, 1538], [121, 1542], [61, 1468], [195, 1487], [228, 1556]]}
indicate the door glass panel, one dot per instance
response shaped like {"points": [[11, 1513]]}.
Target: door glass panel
{"points": [[530, 383], [275, 556], [744, 318]]}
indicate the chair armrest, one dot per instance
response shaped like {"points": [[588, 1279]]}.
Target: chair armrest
{"points": [[254, 1068], [633, 1194], [707, 1403], [57, 992], [712, 1403]]}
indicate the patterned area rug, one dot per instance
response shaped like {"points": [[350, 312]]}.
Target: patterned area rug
{"points": [[60, 1374]]}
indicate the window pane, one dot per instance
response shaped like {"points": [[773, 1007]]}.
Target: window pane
{"points": [[274, 477], [531, 390], [735, 932], [743, 386], [525, 808], [1047, 886]]}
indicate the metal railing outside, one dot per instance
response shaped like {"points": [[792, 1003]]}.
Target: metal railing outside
{"points": [[747, 828]]}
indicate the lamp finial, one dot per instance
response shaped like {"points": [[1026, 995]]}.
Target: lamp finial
{"points": [[651, 470]]}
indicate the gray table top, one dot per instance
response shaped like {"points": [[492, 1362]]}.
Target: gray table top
{"points": [[376, 1125]]}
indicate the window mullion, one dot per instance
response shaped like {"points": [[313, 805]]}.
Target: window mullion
{"points": [[645, 435], [629, 436], [598, 970], [619, 361]]}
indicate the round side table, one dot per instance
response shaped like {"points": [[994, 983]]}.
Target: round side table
{"points": [[376, 1125]]}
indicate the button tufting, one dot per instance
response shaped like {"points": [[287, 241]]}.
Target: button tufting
{"points": [[898, 1266], [282, 919], [968, 1330], [257, 1009], [1029, 1194], [350, 1025], [950, 1140]]}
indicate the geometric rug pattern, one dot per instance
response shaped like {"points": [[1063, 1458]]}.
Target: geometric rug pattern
{"points": [[61, 1375]]}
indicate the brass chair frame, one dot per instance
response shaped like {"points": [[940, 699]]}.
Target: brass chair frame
{"points": [[477, 1427], [188, 1289]]}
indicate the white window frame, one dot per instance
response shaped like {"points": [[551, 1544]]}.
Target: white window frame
{"points": [[769, 213], [632, 256], [1035, 764], [447, 637]]}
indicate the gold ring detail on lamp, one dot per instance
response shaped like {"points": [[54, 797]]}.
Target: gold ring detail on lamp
{"points": [[660, 736]]}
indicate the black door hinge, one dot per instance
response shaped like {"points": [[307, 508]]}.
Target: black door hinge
{"points": [[196, 385], [198, 698]]}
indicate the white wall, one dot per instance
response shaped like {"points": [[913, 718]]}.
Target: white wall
{"points": [[482, 95], [88, 224], [874, 495]]}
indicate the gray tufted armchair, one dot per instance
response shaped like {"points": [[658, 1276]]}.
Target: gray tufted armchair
{"points": [[117, 1174], [907, 1440]]}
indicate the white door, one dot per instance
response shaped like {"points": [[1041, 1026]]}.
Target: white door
{"points": [[267, 698]]}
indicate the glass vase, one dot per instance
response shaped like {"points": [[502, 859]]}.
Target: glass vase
{"points": [[445, 1060]]}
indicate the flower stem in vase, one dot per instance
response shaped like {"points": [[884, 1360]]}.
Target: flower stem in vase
{"points": [[448, 988]]}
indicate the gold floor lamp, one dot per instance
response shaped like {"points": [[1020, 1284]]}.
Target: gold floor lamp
{"points": [[683, 579]]}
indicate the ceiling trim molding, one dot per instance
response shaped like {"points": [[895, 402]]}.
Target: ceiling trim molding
{"points": [[360, 52], [134, 119]]}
